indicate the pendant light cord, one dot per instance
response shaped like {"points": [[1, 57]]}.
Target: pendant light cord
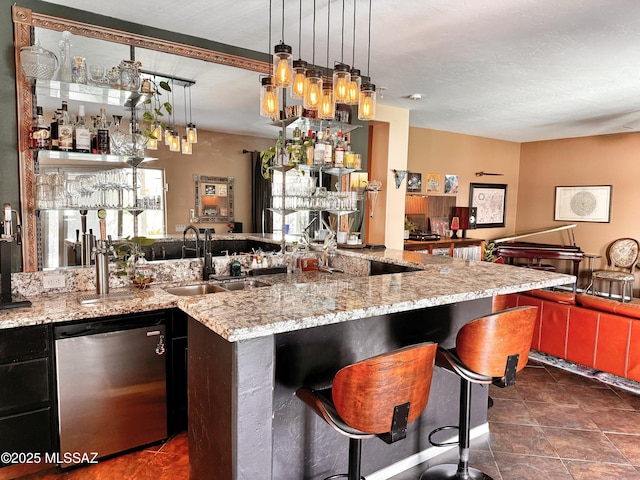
{"points": [[269, 50], [342, 38], [313, 54], [282, 21], [353, 53], [369, 48], [328, 32], [300, 32]]}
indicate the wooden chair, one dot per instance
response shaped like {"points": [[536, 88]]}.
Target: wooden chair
{"points": [[622, 255], [379, 397], [489, 350]]}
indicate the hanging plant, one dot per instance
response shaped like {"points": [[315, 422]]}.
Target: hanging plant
{"points": [[158, 108]]}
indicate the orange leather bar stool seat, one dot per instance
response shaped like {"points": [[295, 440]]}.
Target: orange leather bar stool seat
{"points": [[377, 397], [489, 350]]}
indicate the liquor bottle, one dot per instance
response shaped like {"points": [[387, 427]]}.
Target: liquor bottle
{"points": [[82, 133], [93, 131], [102, 133], [40, 134], [65, 130], [308, 146], [296, 147], [54, 130], [338, 157], [328, 148], [318, 150]]}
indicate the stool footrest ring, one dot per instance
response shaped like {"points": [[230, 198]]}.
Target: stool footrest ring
{"points": [[341, 475], [443, 444], [450, 472]]}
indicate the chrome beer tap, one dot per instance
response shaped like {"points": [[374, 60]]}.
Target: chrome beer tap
{"points": [[7, 237]]}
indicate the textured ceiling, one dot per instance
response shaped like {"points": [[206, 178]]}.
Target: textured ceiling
{"points": [[521, 70]]}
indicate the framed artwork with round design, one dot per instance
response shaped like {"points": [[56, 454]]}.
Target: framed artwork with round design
{"points": [[583, 203]]}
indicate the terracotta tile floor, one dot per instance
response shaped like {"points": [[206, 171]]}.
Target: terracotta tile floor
{"points": [[553, 425], [167, 461], [556, 425]]}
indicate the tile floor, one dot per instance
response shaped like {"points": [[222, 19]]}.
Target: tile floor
{"points": [[556, 425], [167, 461], [552, 425]]}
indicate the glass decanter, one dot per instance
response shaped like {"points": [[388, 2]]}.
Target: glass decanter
{"points": [[117, 137]]}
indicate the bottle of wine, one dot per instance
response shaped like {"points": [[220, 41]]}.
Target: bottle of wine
{"points": [[55, 143], [40, 134], [103, 133], [328, 148], [82, 133], [65, 130], [338, 157]]}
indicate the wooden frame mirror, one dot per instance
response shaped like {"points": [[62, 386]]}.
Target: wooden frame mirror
{"points": [[25, 20]]}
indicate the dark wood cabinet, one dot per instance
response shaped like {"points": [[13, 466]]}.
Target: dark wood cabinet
{"points": [[177, 374], [27, 419]]}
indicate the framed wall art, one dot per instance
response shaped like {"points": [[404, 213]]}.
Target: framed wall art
{"points": [[491, 201], [586, 203], [414, 182]]}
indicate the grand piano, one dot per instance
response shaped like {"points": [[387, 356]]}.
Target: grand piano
{"points": [[534, 253]]}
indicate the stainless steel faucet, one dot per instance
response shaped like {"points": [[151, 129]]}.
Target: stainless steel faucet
{"points": [[184, 239]]}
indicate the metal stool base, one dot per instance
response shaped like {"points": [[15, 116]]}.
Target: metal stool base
{"points": [[449, 471]]}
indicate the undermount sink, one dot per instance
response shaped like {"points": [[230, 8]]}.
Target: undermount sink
{"points": [[205, 288], [188, 290], [241, 285]]}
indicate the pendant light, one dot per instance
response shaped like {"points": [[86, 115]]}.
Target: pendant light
{"points": [[313, 76], [174, 143], [269, 106], [186, 147], [341, 73], [282, 61], [367, 105], [327, 104], [355, 81], [299, 66], [192, 131]]}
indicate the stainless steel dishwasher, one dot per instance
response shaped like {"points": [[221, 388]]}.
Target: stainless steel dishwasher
{"points": [[112, 393]]}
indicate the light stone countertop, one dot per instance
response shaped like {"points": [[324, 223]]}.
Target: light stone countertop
{"points": [[304, 300]]}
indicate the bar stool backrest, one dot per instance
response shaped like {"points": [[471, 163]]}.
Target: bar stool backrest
{"points": [[366, 393], [484, 344]]}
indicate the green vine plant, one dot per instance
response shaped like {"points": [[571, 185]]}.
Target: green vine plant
{"points": [[158, 109], [268, 156]]}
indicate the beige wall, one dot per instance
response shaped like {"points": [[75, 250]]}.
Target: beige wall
{"points": [[215, 154], [602, 160], [434, 151]]}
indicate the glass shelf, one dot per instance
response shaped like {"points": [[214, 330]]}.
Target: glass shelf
{"points": [[90, 158], [315, 124], [90, 93]]}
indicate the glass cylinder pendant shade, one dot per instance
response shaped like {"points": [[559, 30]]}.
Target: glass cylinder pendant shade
{"points": [[313, 89], [167, 137], [156, 131], [327, 108], [341, 81], [152, 144], [282, 66], [269, 106], [192, 133], [174, 146], [186, 146], [354, 87], [299, 78], [367, 106]]}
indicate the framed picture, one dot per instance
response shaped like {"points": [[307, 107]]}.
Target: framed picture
{"points": [[587, 203], [433, 182], [491, 201], [451, 184], [414, 182]]}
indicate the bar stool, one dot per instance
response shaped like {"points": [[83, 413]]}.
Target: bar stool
{"points": [[377, 397], [489, 350]]}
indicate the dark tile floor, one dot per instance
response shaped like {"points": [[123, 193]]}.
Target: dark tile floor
{"points": [[556, 425], [552, 425]]}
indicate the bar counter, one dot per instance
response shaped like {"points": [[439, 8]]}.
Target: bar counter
{"points": [[250, 350]]}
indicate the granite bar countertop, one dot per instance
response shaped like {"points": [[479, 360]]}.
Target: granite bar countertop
{"points": [[297, 301]]}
